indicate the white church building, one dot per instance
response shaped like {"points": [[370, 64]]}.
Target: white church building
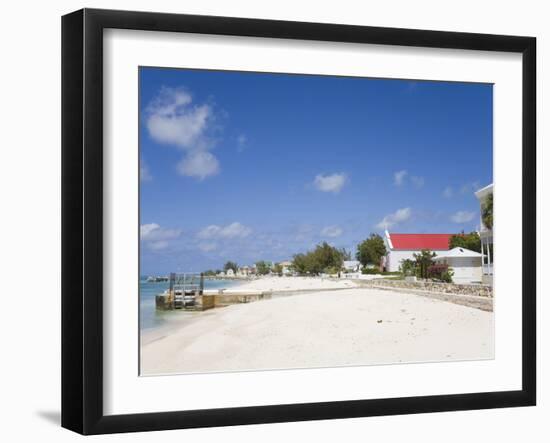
{"points": [[403, 246]]}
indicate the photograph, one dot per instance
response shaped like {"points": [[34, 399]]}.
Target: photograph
{"points": [[295, 221]]}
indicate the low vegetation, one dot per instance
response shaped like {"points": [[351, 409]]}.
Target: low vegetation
{"points": [[440, 272], [423, 266]]}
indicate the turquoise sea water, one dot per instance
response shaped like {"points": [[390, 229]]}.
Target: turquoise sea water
{"points": [[149, 316]]}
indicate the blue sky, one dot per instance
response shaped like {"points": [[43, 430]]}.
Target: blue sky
{"points": [[252, 166]]}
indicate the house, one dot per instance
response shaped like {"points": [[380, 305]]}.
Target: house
{"points": [[403, 246], [243, 271], [230, 273], [352, 266], [465, 264], [286, 267], [486, 236]]}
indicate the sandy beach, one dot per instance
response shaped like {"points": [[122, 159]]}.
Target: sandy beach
{"points": [[293, 284], [355, 326]]}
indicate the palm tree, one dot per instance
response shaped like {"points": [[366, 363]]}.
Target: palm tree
{"points": [[424, 260], [487, 212]]}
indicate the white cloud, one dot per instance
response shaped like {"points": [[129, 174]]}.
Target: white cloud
{"points": [[208, 247], [172, 119], [332, 231], [156, 237], [399, 177], [393, 219], [158, 245], [233, 230], [144, 173], [242, 141], [462, 216], [330, 183], [418, 182], [200, 164], [448, 192], [145, 230]]}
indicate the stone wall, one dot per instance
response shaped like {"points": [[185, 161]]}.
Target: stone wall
{"points": [[473, 296], [443, 288]]}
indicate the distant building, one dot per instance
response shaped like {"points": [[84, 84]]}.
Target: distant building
{"points": [[486, 235], [465, 264], [244, 271], [286, 267], [352, 266], [230, 273], [403, 246]]}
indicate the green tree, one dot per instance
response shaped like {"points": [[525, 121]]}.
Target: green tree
{"points": [[469, 241], [487, 211], [231, 265], [299, 264], [371, 250], [278, 269], [322, 259], [424, 259], [262, 267], [327, 257]]}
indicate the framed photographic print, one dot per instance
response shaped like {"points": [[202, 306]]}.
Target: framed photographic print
{"points": [[269, 221]]}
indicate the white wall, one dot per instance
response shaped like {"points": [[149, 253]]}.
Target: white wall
{"points": [[396, 257], [466, 269], [30, 221]]}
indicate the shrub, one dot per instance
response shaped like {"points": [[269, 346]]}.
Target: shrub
{"points": [[440, 272], [408, 267], [424, 259], [447, 277], [370, 271]]}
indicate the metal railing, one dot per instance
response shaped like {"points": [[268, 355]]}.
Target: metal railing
{"points": [[184, 287]]}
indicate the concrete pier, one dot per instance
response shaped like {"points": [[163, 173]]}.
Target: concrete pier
{"points": [[210, 299]]}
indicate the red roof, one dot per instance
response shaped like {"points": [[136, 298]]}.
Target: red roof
{"points": [[437, 242]]}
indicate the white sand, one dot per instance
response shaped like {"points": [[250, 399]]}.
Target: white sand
{"points": [[292, 284], [349, 327]]}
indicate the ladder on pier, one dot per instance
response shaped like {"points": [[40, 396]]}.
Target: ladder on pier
{"points": [[185, 288]]}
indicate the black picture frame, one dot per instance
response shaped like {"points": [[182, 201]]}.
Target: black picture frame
{"points": [[82, 218]]}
